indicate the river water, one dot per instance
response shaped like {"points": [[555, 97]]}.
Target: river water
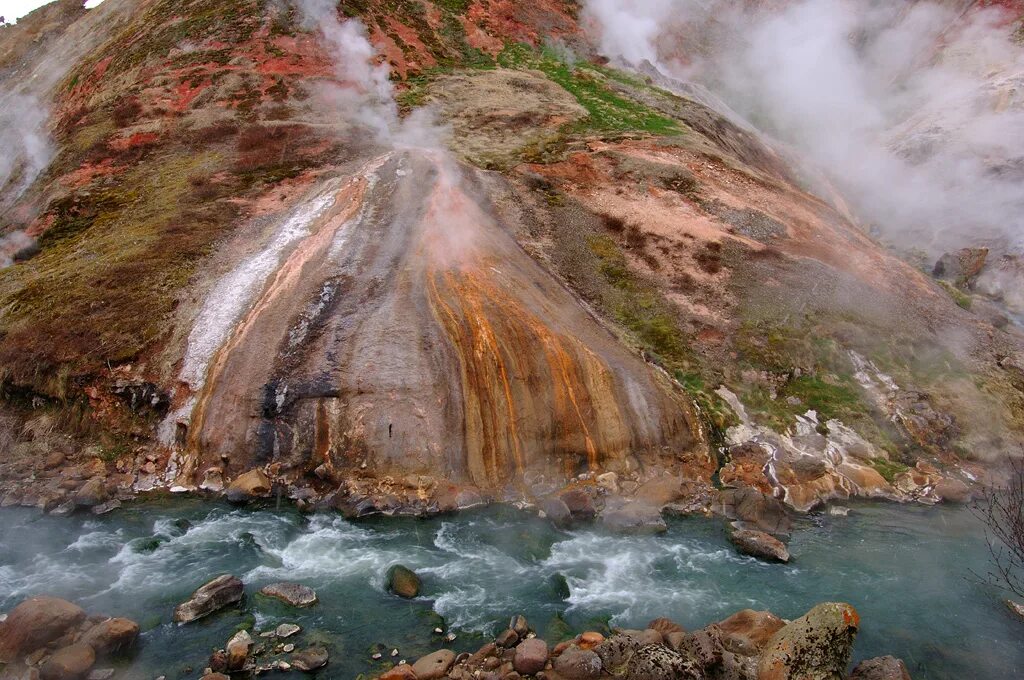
{"points": [[907, 569]]}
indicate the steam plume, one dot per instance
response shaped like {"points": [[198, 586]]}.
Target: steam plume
{"points": [[914, 109]]}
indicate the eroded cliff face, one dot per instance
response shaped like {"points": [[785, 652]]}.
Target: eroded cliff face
{"points": [[401, 330]]}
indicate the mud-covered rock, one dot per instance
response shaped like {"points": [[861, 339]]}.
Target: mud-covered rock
{"points": [[210, 597], [816, 646]]}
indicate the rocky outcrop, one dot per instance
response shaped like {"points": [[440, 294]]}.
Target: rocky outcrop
{"points": [[817, 646], [248, 486], [53, 639], [209, 598], [752, 509]]}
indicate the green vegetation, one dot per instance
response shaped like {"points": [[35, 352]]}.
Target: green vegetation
{"points": [[959, 297], [608, 111], [889, 469]]}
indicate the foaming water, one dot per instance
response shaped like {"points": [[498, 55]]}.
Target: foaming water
{"points": [[907, 570]]}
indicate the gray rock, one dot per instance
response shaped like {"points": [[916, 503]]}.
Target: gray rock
{"points": [[881, 668], [310, 659], [639, 518], [556, 511], [295, 594], [104, 508], [759, 544], [287, 630], [213, 596], [91, 494], [657, 662]]}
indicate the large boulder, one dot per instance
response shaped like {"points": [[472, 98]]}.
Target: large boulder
{"points": [[219, 593], [247, 486], [68, 663], [91, 494], [295, 594], [237, 650], [555, 509], [34, 623], [881, 668], [112, 636], [816, 646], [434, 666], [580, 504], [753, 508], [403, 581], [760, 545], [657, 662], [531, 656], [747, 632], [578, 664]]}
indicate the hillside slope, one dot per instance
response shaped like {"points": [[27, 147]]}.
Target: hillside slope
{"points": [[251, 249]]}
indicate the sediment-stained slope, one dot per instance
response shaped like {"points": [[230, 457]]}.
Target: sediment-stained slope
{"points": [[392, 325]]}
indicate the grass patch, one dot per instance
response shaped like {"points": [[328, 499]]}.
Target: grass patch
{"points": [[889, 469], [961, 299], [607, 111]]}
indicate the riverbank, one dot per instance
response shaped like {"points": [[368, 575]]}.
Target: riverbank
{"points": [[906, 569]]}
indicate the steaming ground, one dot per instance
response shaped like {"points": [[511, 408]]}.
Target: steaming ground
{"points": [[900, 567], [912, 108]]}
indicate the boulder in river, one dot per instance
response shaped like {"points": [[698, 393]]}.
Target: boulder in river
{"points": [[759, 544], [816, 646], [434, 666], [310, 659], [247, 486], [881, 668], [111, 636], [555, 509], [295, 594], [287, 630], [237, 650], [213, 596], [403, 581], [751, 507], [68, 663], [34, 623], [91, 493]]}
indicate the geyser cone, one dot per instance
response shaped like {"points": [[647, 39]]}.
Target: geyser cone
{"points": [[408, 331]]}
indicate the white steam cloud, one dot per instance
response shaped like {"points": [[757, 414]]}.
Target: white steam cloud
{"points": [[25, 142], [365, 94], [914, 109]]}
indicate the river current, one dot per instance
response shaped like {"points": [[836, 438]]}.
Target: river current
{"points": [[910, 571]]}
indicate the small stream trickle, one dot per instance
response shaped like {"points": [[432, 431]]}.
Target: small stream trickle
{"points": [[907, 569]]}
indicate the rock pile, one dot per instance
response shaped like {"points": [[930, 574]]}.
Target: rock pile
{"points": [[53, 639], [748, 645]]}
